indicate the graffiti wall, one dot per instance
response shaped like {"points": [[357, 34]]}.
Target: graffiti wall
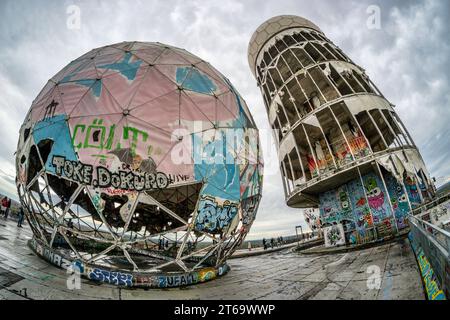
{"points": [[127, 279], [430, 282], [377, 198], [410, 183], [399, 200], [359, 206]]}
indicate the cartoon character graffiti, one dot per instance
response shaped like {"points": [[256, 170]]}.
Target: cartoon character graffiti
{"points": [[374, 195]]}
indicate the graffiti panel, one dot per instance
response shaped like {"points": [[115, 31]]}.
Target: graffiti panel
{"points": [[413, 192], [399, 200], [360, 206], [377, 198], [334, 235]]}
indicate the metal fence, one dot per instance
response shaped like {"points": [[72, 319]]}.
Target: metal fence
{"points": [[434, 243]]}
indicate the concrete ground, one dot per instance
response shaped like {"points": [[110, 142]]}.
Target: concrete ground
{"points": [[278, 275]]}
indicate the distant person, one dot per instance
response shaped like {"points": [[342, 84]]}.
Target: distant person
{"points": [[7, 205], [3, 205], [70, 227], [272, 242], [249, 246], [264, 243], [281, 240], [21, 216]]}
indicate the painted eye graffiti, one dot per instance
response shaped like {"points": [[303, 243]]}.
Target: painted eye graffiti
{"points": [[375, 192]]}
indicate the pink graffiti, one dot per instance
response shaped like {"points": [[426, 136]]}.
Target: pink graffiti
{"points": [[376, 199]]}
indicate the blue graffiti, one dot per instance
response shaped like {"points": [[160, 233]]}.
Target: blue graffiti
{"points": [[125, 67], [399, 200], [192, 79], [212, 166], [116, 278], [57, 130], [213, 217]]}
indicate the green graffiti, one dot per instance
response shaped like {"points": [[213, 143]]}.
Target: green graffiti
{"points": [[98, 136], [135, 136]]}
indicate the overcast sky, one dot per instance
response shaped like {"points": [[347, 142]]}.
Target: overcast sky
{"points": [[407, 58]]}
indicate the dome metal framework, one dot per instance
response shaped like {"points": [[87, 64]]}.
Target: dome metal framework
{"points": [[139, 165]]}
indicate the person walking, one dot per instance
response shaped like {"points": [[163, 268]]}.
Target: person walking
{"points": [[271, 242], [8, 206], [249, 246], [3, 205], [264, 243], [21, 216]]}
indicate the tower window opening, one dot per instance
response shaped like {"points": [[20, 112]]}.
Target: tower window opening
{"points": [[397, 131], [339, 82], [307, 35], [370, 131], [281, 46], [314, 53], [275, 77], [273, 52], [356, 140], [323, 83], [289, 40], [292, 61], [298, 37], [302, 56], [328, 55], [383, 126], [301, 101], [283, 69], [305, 153], [335, 137]]}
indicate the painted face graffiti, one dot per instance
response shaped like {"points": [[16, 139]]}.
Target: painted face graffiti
{"points": [[374, 194], [376, 198]]}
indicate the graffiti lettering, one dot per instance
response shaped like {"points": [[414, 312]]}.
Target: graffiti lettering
{"points": [[98, 136], [212, 216], [50, 255], [428, 276], [117, 278], [177, 280], [124, 180]]}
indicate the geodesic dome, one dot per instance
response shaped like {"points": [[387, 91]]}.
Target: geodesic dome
{"points": [[139, 164]]}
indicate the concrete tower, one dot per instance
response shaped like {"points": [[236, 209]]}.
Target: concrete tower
{"points": [[341, 146]]}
